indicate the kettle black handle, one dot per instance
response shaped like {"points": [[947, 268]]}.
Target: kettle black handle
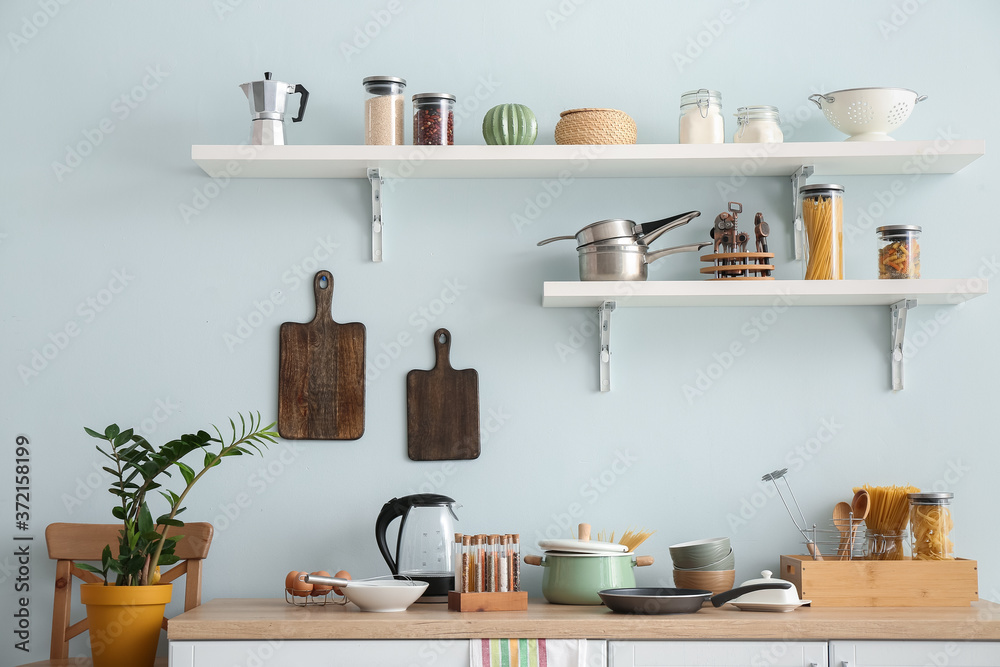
{"points": [[399, 507], [299, 88], [723, 598]]}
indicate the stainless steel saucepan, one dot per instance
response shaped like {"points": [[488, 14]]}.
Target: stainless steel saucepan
{"points": [[623, 262], [606, 230]]}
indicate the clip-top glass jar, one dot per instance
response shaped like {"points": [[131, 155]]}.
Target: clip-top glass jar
{"points": [[823, 218], [384, 110], [930, 526], [758, 125], [898, 251], [701, 119], [433, 119]]}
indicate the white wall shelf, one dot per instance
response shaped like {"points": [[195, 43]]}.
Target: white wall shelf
{"points": [[797, 160], [637, 160], [898, 295]]}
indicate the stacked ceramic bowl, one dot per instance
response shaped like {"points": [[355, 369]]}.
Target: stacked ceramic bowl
{"points": [[704, 564]]}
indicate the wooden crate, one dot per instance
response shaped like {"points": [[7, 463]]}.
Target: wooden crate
{"points": [[512, 601], [883, 583]]}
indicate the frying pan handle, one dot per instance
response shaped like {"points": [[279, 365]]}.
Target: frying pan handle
{"points": [[723, 598], [323, 290], [532, 559], [642, 561], [651, 231]]}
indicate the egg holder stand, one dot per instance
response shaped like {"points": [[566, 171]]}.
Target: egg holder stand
{"points": [[310, 599]]}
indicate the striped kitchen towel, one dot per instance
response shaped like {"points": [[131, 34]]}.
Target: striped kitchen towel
{"points": [[528, 652]]}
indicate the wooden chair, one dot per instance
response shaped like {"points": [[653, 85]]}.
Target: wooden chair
{"points": [[70, 542]]}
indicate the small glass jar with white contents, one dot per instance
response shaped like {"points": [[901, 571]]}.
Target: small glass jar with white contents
{"points": [[701, 119], [758, 125]]}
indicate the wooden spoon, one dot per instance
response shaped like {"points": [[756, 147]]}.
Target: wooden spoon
{"points": [[842, 520], [860, 505]]}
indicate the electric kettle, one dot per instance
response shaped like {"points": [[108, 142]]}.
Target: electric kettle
{"points": [[424, 543], [267, 109]]}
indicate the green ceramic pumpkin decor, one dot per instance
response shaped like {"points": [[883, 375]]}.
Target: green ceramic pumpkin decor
{"points": [[510, 125]]}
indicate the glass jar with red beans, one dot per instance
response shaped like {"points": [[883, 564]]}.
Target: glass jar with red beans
{"points": [[433, 119]]}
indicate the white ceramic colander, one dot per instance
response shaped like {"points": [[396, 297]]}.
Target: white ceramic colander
{"points": [[867, 114]]}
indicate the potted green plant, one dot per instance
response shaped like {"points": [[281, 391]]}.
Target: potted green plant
{"points": [[138, 468]]}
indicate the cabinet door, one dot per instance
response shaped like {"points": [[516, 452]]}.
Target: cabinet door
{"points": [[914, 654], [716, 654], [316, 653]]}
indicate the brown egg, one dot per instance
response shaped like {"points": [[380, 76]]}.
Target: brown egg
{"points": [[320, 589], [290, 580], [300, 587], [343, 574]]}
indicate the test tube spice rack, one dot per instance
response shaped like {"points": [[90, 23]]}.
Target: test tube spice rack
{"points": [[487, 574]]}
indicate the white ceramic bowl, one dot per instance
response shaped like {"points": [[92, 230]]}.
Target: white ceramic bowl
{"points": [[867, 114], [384, 595]]}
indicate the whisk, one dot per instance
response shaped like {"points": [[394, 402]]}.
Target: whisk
{"points": [[773, 477]]}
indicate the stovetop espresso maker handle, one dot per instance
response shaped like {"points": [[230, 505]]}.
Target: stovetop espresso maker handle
{"points": [[299, 88]]}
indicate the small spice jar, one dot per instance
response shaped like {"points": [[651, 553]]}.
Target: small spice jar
{"points": [[701, 119], [758, 125], [898, 251], [823, 218], [433, 119], [383, 110], [930, 526]]}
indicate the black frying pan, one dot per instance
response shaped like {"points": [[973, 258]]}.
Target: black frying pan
{"points": [[673, 600]]}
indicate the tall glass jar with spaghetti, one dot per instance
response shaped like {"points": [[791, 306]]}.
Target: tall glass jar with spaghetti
{"points": [[930, 526], [823, 219]]}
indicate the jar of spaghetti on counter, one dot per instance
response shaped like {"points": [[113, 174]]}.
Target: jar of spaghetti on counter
{"points": [[930, 526]]}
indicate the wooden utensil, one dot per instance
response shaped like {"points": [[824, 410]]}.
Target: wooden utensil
{"points": [[860, 505], [442, 409], [321, 376], [842, 520]]}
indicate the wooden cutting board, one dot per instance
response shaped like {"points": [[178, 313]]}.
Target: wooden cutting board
{"points": [[442, 408], [321, 379]]}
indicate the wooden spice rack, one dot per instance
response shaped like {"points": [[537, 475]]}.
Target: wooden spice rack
{"points": [[883, 583], [507, 601]]}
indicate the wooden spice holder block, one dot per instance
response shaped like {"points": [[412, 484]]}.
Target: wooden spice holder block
{"points": [[511, 601], [883, 583]]}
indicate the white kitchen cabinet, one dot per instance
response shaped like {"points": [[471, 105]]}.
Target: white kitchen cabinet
{"points": [[770, 653], [914, 654], [321, 653]]}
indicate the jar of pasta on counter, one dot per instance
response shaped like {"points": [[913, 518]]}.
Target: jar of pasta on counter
{"points": [[899, 251], [930, 526]]}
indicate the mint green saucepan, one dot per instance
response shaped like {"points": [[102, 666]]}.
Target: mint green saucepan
{"points": [[571, 578]]}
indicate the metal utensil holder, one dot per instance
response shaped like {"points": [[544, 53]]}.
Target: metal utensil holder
{"points": [[832, 543]]}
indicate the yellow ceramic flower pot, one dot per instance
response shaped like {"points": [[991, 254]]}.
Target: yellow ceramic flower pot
{"points": [[125, 622]]}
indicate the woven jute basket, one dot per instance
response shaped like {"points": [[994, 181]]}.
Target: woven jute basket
{"points": [[595, 126]]}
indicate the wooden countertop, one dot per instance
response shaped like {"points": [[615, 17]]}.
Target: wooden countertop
{"points": [[245, 618]]}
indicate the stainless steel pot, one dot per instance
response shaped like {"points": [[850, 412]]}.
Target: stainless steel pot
{"points": [[606, 230], [601, 261]]}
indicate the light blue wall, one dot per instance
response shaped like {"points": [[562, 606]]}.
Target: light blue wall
{"points": [[694, 465]]}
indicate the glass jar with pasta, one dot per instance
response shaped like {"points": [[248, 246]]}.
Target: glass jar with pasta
{"points": [[930, 526], [823, 219], [898, 251]]}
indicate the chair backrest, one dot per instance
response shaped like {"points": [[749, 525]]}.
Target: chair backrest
{"points": [[70, 542]]}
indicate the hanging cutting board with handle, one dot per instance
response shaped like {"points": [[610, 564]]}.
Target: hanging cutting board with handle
{"points": [[442, 408], [321, 379]]}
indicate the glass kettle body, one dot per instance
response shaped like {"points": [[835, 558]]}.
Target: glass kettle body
{"points": [[424, 542]]}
